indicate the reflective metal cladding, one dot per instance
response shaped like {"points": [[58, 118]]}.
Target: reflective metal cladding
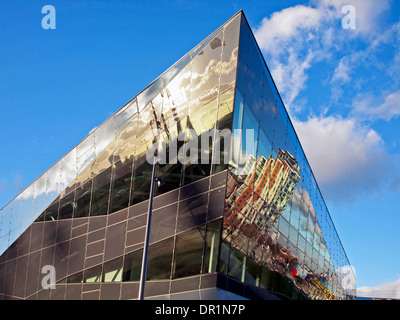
{"points": [[237, 210]]}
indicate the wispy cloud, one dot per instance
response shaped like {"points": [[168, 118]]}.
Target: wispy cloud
{"points": [[296, 38], [285, 38], [367, 107], [389, 290], [342, 71]]}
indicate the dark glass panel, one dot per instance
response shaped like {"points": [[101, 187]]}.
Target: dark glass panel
{"points": [[61, 253], [110, 291], [141, 181], [41, 217], [166, 199], [185, 284], [49, 235], [218, 180], [266, 278], [252, 275], [67, 206], [24, 241], [100, 193], [75, 278], [93, 274], [224, 258], [134, 238], [277, 282], [213, 235], [188, 253], [235, 267], [194, 189], [217, 203], [33, 273], [20, 280], [115, 240], [36, 236], [117, 217], [113, 270], [9, 275], [97, 223], [72, 292], [132, 266], [77, 254], [159, 260], [163, 222], [52, 212], [192, 212], [169, 170], [82, 200], [121, 184], [95, 249]]}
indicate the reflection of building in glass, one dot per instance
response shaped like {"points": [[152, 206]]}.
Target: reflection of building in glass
{"points": [[216, 233], [268, 184]]}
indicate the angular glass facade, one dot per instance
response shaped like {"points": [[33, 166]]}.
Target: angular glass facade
{"points": [[235, 215]]}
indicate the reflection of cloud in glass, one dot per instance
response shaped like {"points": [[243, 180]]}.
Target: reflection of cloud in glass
{"points": [[214, 67]]}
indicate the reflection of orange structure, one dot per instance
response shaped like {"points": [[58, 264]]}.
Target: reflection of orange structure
{"points": [[266, 189]]}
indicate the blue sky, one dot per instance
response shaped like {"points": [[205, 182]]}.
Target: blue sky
{"points": [[340, 86]]}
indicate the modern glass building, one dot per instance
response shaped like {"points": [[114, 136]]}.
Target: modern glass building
{"points": [[240, 216]]}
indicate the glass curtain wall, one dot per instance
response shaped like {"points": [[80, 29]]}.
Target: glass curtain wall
{"points": [[80, 214], [274, 215], [109, 170]]}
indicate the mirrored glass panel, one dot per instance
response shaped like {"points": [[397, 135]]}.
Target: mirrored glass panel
{"points": [[160, 260], [189, 253]]}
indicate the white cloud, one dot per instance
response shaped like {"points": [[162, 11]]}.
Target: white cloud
{"points": [[342, 71], [367, 13], [347, 158], [291, 77], [296, 38], [367, 107], [386, 290], [285, 37], [286, 25]]}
